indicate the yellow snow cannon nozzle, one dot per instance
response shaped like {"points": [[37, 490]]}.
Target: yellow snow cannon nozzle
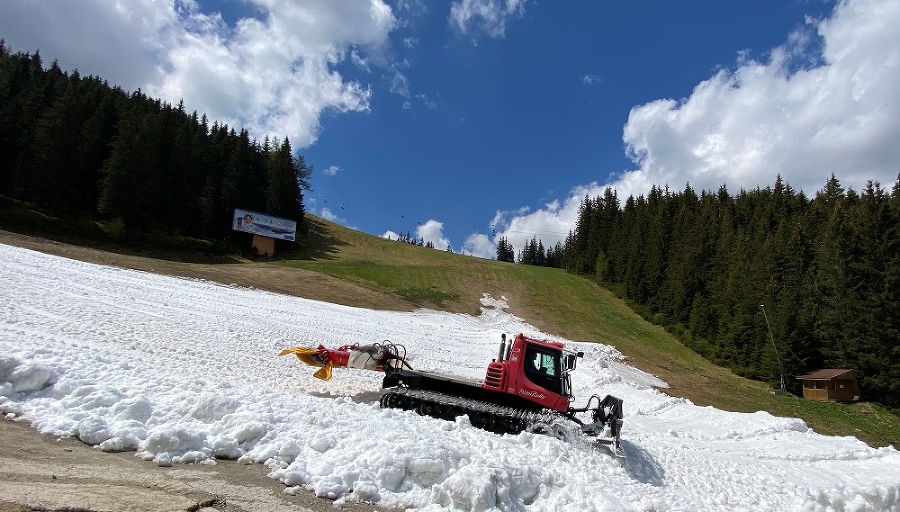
{"points": [[374, 357], [311, 357]]}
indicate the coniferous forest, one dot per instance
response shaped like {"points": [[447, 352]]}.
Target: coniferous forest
{"points": [[717, 269], [711, 267], [74, 146]]}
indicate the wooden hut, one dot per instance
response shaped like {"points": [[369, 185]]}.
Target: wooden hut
{"points": [[834, 385]]}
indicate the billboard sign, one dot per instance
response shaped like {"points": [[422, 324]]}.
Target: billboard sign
{"points": [[263, 225]]}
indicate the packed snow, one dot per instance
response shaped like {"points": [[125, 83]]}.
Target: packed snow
{"points": [[185, 371]]}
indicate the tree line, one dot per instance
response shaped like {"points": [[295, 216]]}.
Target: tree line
{"points": [[533, 253], [411, 240], [73, 145], [714, 267]]}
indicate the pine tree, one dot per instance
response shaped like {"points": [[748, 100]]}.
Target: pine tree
{"points": [[27, 88], [56, 148], [130, 169], [97, 132], [505, 251], [284, 197], [240, 186]]}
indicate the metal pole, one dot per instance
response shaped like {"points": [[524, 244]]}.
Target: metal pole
{"points": [[777, 357]]}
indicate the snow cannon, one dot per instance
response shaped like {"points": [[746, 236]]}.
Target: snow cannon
{"points": [[376, 357]]}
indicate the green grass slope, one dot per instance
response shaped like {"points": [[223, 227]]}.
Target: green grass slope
{"points": [[573, 307]]}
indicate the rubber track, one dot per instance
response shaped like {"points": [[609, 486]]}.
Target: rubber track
{"points": [[484, 415]]}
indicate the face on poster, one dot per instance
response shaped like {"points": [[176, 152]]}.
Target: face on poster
{"points": [[256, 223]]}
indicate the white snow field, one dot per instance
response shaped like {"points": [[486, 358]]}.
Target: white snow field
{"points": [[186, 371]]}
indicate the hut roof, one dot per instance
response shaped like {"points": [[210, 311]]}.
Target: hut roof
{"points": [[826, 374]]}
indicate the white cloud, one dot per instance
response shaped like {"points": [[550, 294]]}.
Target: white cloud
{"points": [[806, 112], [328, 215], [428, 102], [480, 245], [410, 42], [273, 75], [359, 61], [412, 6], [433, 231], [548, 225], [332, 170], [410, 12], [591, 79], [786, 115], [488, 16], [399, 83], [124, 51]]}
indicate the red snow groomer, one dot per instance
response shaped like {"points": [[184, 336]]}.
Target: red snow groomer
{"points": [[526, 388]]}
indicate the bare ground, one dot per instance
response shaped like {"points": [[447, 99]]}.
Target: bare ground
{"points": [[41, 472]]}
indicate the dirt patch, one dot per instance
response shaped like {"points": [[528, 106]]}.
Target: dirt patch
{"points": [[41, 472]]}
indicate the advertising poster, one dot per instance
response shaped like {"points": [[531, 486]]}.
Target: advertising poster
{"points": [[264, 225]]}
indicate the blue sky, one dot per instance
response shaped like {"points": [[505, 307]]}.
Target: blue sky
{"points": [[463, 121]]}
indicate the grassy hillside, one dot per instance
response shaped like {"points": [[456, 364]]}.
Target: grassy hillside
{"points": [[339, 265], [573, 307]]}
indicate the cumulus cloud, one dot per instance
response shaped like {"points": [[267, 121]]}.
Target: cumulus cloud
{"points": [[273, 73], [548, 225], [360, 61], [487, 16], [827, 101], [125, 50], [476, 244], [799, 114], [479, 245], [433, 231], [332, 170]]}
